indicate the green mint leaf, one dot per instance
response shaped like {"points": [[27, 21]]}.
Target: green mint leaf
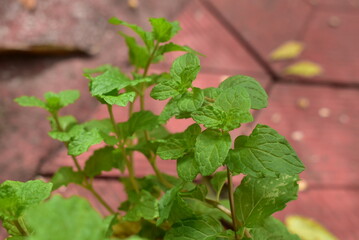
{"points": [[195, 228], [66, 136], [266, 153], [171, 47], [30, 101], [56, 101], [183, 71], [187, 168], [173, 148], [191, 101], [165, 89], [103, 159], [236, 101], [169, 111], [143, 120], [120, 100], [71, 218], [272, 229], [172, 207], [196, 191], [258, 96], [138, 55], [179, 144], [145, 36], [16, 197], [212, 93], [210, 116], [82, 142], [211, 150], [111, 79], [163, 30], [66, 175], [218, 181], [258, 198], [143, 205]]}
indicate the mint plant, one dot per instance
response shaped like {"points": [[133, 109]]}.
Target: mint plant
{"points": [[202, 202]]}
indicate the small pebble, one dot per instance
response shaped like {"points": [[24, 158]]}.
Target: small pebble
{"points": [[302, 185], [223, 77], [343, 118], [297, 135], [303, 103], [133, 4], [324, 112], [276, 118], [334, 21]]}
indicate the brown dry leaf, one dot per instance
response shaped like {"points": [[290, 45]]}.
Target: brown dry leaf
{"points": [[288, 50], [308, 229], [304, 69], [29, 4]]}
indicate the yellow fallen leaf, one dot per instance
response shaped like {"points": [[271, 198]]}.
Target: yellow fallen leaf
{"points": [[304, 69], [288, 50], [308, 229]]}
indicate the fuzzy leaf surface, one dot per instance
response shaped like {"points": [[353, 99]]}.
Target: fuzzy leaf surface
{"points": [[71, 218], [82, 142], [266, 153], [205, 227], [164, 30], [211, 150], [258, 198], [144, 205], [16, 197], [257, 95]]}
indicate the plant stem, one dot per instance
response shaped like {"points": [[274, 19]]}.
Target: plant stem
{"points": [[158, 172], [99, 198], [88, 184], [22, 230], [129, 162], [231, 203]]}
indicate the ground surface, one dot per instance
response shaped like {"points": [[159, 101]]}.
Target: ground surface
{"points": [[319, 115]]}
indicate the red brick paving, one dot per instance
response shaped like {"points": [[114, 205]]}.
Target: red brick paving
{"points": [[237, 37]]}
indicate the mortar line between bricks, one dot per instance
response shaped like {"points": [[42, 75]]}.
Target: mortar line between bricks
{"points": [[322, 83], [313, 186], [237, 35], [47, 156]]}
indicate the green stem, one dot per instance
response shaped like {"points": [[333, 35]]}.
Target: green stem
{"points": [[21, 229], [99, 198], [158, 173], [88, 184], [231, 203], [129, 162]]}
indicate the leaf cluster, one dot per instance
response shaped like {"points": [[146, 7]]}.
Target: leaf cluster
{"points": [[191, 205]]}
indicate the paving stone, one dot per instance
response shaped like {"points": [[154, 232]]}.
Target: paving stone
{"points": [[336, 209], [333, 47], [204, 33], [321, 125], [264, 24], [64, 26]]}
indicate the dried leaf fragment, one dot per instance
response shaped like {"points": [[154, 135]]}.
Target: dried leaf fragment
{"points": [[304, 69], [288, 50]]}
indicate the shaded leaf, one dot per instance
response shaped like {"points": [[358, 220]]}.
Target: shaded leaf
{"points": [[83, 141], [143, 205], [66, 175]]}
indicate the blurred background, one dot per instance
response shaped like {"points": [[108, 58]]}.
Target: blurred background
{"points": [[304, 52]]}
